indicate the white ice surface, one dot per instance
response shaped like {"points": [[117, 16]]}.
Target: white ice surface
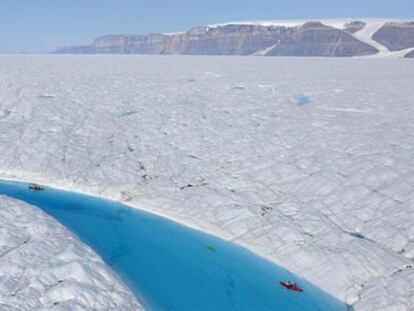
{"points": [[44, 267], [294, 184]]}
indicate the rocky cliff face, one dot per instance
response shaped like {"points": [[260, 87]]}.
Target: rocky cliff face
{"points": [[396, 36], [303, 39], [410, 55], [316, 39], [226, 40]]}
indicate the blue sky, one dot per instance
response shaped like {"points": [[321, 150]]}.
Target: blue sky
{"points": [[42, 25]]}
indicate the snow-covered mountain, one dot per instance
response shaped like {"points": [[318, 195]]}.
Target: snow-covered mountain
{"points": [[330, 38]]}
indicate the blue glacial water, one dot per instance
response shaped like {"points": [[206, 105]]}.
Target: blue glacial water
{"points": [[170, 266], [303, 101]]}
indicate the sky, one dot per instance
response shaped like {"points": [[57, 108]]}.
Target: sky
{"points": [[38, 26]]}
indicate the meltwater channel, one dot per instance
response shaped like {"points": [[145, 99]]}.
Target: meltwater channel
{"points": [[170, 266]]}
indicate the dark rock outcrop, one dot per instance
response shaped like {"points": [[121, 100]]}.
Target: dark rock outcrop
{"points": [[396, 36], [354, 27], [410, 55], [311, 39]]}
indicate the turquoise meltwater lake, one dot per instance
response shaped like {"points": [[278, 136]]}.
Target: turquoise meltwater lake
{"points": [[170, 266]]}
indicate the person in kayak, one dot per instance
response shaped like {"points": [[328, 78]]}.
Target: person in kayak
{"points": [[36, 188], [291, 286]]}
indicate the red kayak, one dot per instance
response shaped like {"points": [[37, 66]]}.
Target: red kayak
{"points": [[295, 287], [36, 188]]}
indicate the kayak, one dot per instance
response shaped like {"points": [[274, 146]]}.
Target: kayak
{"points": [[36, 188], [294, 287]]}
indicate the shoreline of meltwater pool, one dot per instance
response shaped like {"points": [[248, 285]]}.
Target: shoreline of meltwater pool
{"points": [[206, 266]]}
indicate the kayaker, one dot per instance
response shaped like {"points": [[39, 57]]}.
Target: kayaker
{"points": [[36, 188], [291, 286]]}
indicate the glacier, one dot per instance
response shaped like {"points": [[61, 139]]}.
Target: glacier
{"points": [[45, 267], [219, 143]]}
